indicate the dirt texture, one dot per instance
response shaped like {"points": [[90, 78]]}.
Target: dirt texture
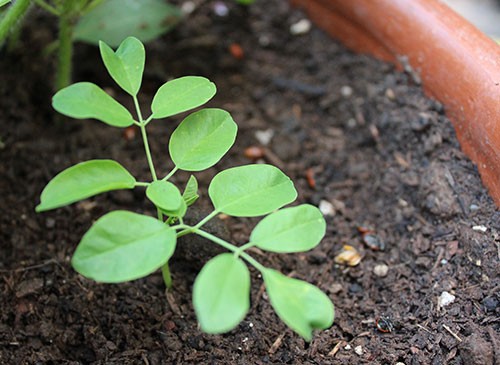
{"points": [[359, 139]]}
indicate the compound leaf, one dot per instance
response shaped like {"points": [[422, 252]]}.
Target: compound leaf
{"points": [[84, 180], [182, 94], [123, 246], [302, 306], [221, 293], [126, 65], [86, 100], [164, 195], [113, 20], [293, 229], [251, 190], [202, 138]]}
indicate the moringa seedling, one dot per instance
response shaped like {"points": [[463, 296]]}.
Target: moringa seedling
{"points": [[122, 246]]}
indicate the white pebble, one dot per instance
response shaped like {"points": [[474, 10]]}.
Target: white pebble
{"points": [[358, 350], [381, 270], [303, 26], [188, 7], [444, 262], [326, 208], [400, 363], [445, 299], [346, 91], [480, 228], [347, 347], [265, 136]]}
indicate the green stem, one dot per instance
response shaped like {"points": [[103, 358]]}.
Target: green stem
{"points": [[229, 247], [47, 7], [145, 139], [167, 277], [140, 183], [15, 12], [65, 50], [165, 269]]}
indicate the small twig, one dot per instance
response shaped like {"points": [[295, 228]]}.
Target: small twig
{"points": [[336, 348], [145, 359], [425, 329], [438, 259], [32, 267], [277, 343], [452, 333]]}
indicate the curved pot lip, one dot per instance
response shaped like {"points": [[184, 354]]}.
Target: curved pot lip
{"points": [[457, 63]]}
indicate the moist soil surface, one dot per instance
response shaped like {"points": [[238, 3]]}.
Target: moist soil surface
{"points": [[358, 138]]}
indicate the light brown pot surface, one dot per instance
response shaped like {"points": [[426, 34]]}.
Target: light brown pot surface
{"points": [[457, 63]]}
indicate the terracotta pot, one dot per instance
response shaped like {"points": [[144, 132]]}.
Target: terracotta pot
{"points": [[457, 63]]}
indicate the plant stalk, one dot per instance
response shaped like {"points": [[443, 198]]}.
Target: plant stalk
{"points": [[15, 12], [65, 50]]}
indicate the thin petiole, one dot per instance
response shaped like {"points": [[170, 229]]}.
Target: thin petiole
{"points": [[206, 219], [47, 7], [140, 183], [170, 174], [231, 248]]}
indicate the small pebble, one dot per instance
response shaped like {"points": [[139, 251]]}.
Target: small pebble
{"points": [[188, 7], [381, 270], [303, 26], [480, 228], [347, 347], [400, 363], [336, 288], [355, 288], [326, 208], [50, 223], [265, 136], [389, 93], [346, 91], [474, 207], [444, 262], [220, 9], [358, 350], [445, 299], [490, 303]]}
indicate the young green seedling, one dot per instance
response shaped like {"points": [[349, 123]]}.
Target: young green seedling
{"points": [[123, 246]]}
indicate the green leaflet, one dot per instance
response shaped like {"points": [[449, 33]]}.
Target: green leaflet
{"points": [[190, 194], [293, 229], [84, 180], [86, 100], [251, 190], [302, 306], [201, 140], [123, 246], [182, 94], [126, 65], [164, 195], [221, 293], [113, 20]]}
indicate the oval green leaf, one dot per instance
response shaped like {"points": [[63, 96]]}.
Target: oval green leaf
{"points": [[84, 180], [221, 293], [123, 246], [113, 20], [164, 195], [178, 95], [126, 65], [201, 140], [251, 190], [293, 229], [302, 306], [86, 100]]}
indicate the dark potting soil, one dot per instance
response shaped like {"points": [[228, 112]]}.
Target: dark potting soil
{"points": [[358, 138]]}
